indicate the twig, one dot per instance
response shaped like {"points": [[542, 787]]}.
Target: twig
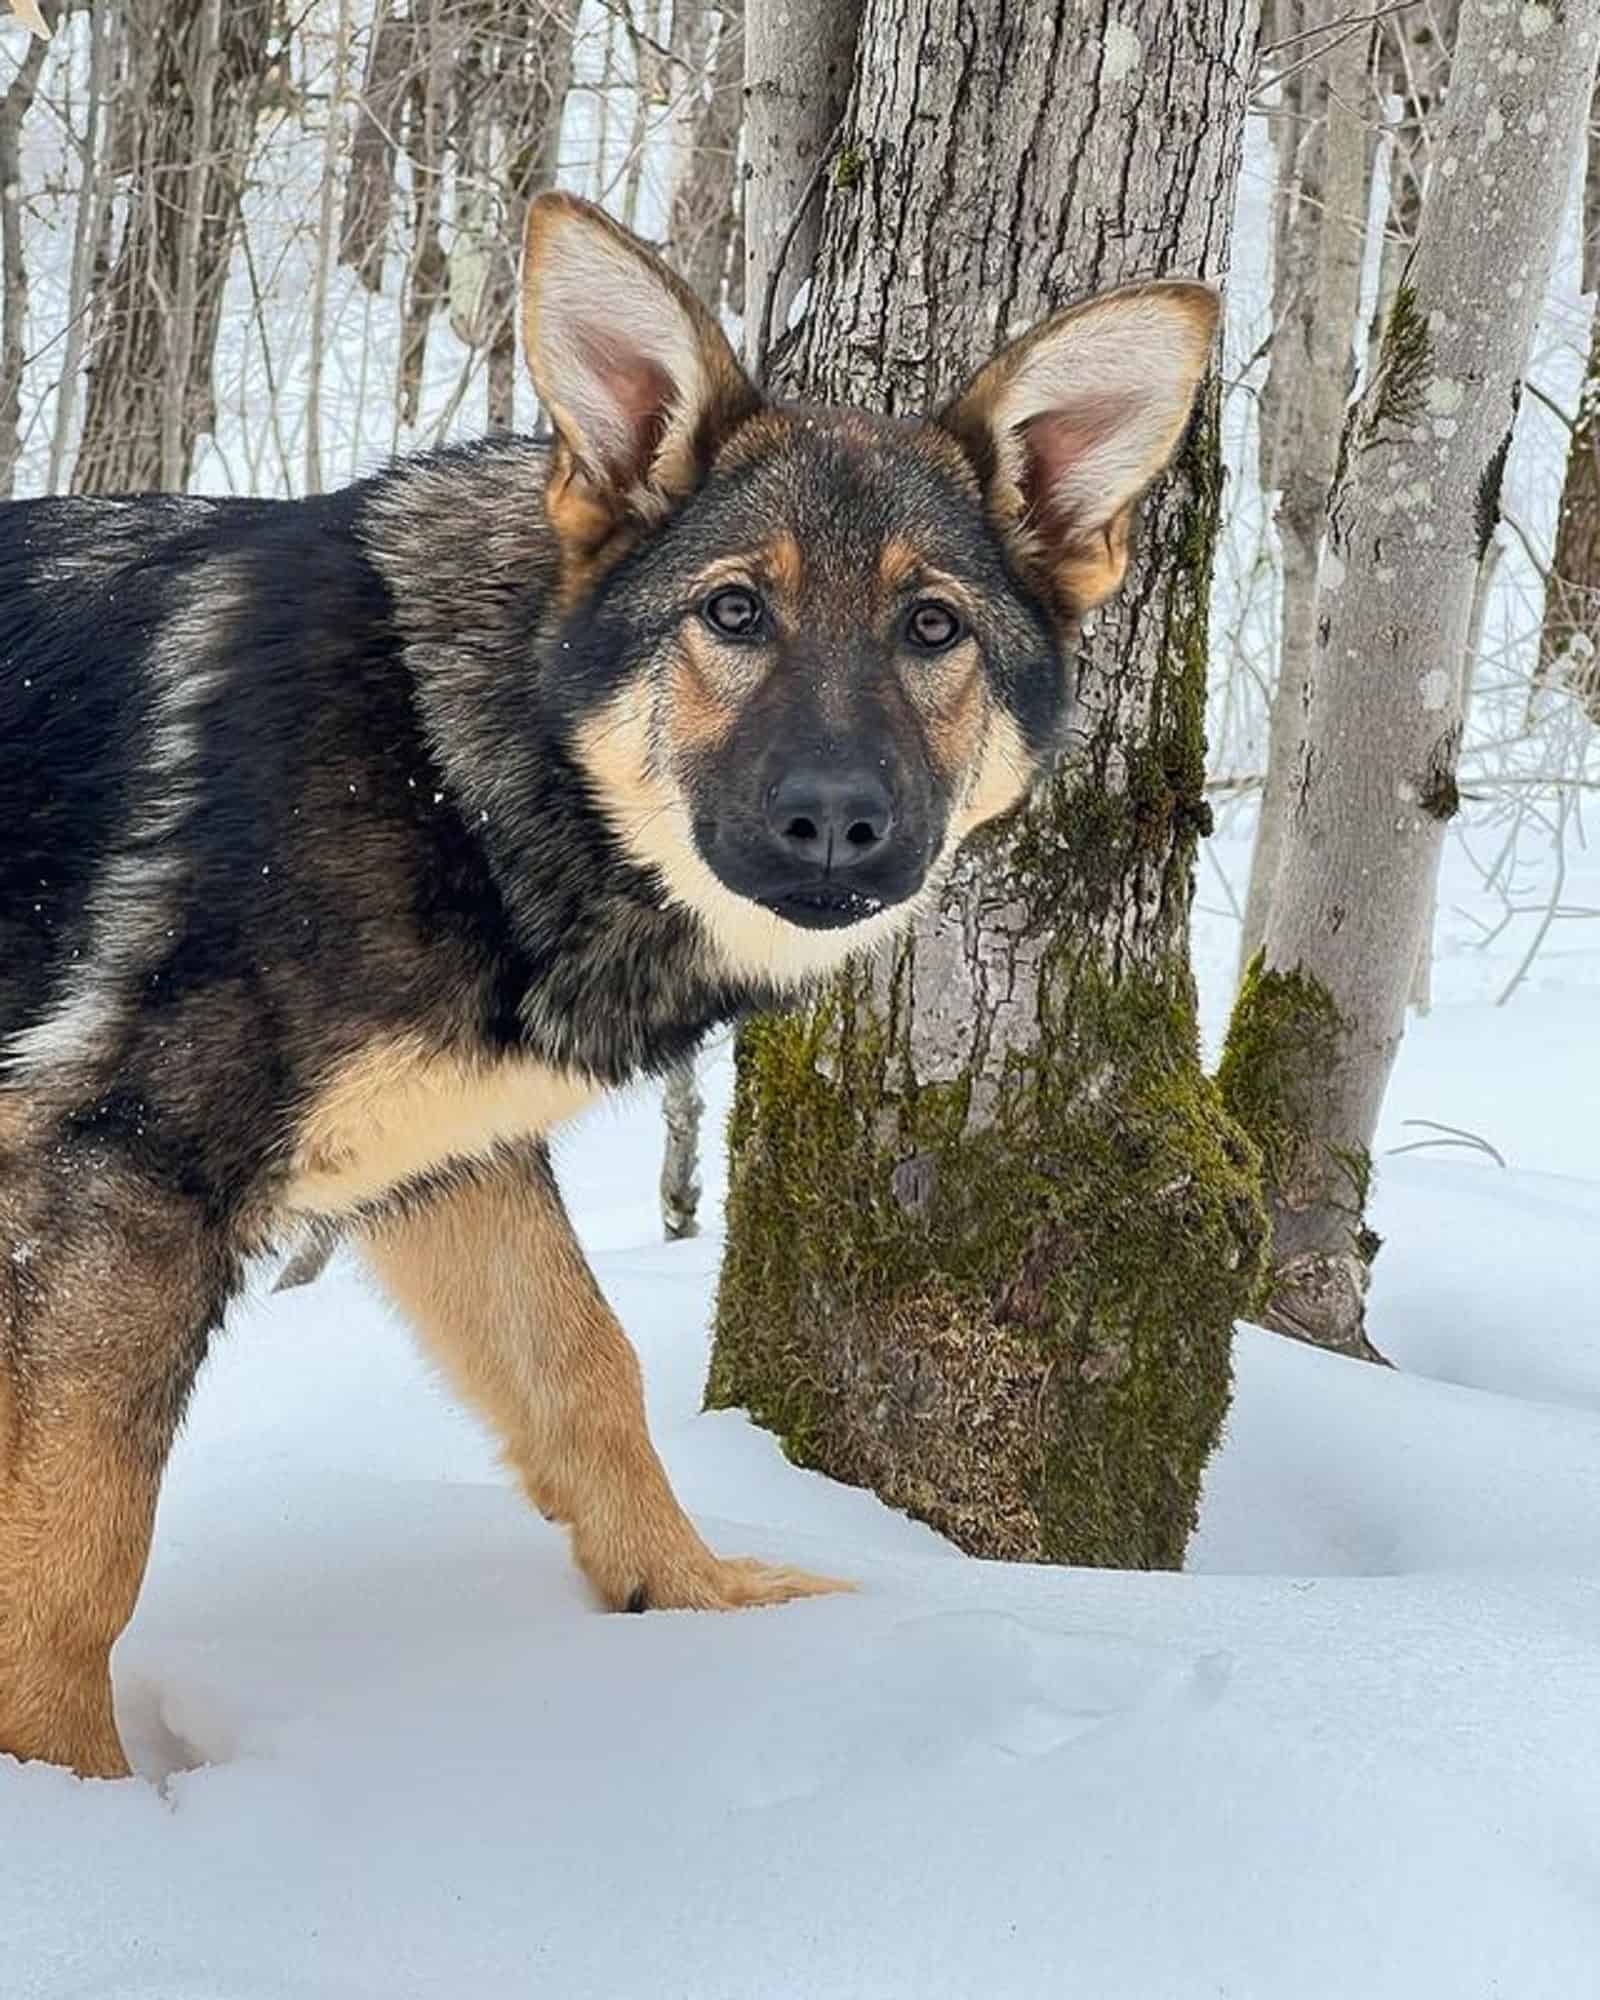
{"points": [[1542, 396], [1316, 55], [1456, 1136], [1344, 21]]}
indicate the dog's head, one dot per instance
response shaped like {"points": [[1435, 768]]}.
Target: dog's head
{"points": [[807, 651]]}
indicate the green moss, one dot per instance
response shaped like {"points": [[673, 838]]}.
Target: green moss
{"points": [[1405, 362], [849, 165], [1286, 1039], [1059, 1282]]}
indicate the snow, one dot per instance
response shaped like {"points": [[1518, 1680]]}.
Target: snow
{"points": [[388, 1747]]}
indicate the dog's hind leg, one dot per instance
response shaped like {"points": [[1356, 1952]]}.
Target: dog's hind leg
{"points": [[491, 1275], [108, 1288]]}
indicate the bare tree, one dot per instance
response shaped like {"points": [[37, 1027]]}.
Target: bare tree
{"points": [[91, 223], [1569, 641], [989, 1226], [369, 187], [191, 74], [704, 241], [1320, 1016], [511, 98], [14, 107], [1325, 150]]}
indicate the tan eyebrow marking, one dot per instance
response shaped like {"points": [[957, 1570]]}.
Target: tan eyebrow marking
{"points": [[903, 568]]}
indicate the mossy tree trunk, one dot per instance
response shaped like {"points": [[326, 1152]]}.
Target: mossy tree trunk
{"points": [[1321, 1012], [989, 1226]]}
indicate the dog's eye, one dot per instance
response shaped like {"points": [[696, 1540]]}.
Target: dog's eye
{"points": [[733, 612], [932, 627]]}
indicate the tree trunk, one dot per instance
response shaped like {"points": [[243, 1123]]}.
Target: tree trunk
{"points": [[797, 70], [703, 228], [13, 266], [91, 219], [187, 123], [427, 128], [1319, 1019], [327, 195], [680, 1165], [703, 239], [1317, 298], [1569, 639], [989, 1227], [534, 64], [369, 186], [1413, 64]]}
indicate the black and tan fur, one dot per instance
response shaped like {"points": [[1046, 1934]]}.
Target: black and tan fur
{"points": [[348, 845]]}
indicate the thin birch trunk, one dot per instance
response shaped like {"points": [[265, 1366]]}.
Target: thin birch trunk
{"points": [[91, 215], [326, 201], [989, 1226], [1311, 372], [14, 107], [1318, 1023]]}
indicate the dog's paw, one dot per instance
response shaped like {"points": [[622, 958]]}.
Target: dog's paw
{"points": [[696, 1580]]}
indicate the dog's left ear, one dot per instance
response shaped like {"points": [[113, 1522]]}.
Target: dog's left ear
{"points": [[632, 369], [1068, 425]]}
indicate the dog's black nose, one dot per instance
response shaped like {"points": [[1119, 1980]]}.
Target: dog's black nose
{"points": [[830, 817]]}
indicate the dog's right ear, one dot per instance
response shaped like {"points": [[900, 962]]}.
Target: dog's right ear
{"points": [[633, 371]]}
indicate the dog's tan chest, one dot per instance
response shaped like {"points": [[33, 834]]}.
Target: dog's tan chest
{"points": [[399, 1110]]}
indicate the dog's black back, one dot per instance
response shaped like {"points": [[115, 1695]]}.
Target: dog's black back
{"points": [[225, 830]]}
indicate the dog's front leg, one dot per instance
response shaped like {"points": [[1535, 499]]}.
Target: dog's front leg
{"points": [[490, 1274], [108, 1287]]}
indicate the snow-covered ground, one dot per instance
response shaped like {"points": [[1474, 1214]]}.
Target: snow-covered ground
{"points": [[390, 1750]]}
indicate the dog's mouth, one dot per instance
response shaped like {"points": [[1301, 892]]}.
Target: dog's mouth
{"points": [[827, 906]]}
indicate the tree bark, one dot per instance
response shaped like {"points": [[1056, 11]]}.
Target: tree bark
{"points": [[1319, 1020], [533, 68], [90, 222], [1311, 372], [989, 1227], [1569, 638], [703, 234], [1413, 64], [369, 186], [188, 120], [14, 108], [327, 194], [680, 1164], [798, 64]]}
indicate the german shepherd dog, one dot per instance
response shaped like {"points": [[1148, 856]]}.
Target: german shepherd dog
{"points": [[350, 844]]}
